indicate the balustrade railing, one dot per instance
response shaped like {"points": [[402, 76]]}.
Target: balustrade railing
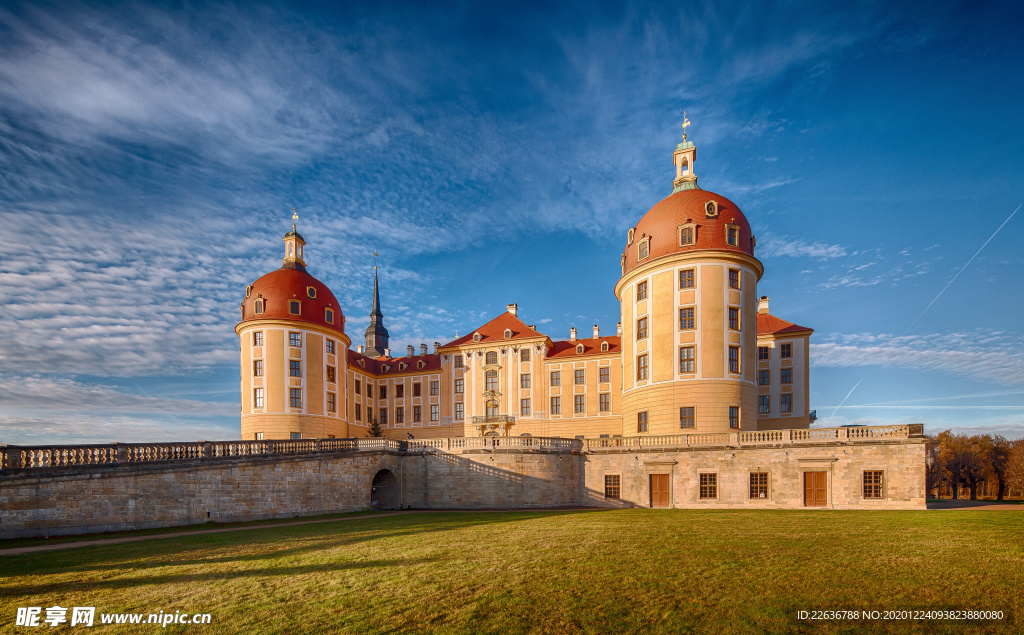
{"points": [[761, 437]]}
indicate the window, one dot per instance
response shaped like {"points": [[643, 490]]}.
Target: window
{"points": [[329, 316], [578, 405], [383, 416], [434, 385], [734, 416], [604, 374], [369, 414], [259, 436], [458, 361], [460, 411], [643, 249], [763, 377], [399, 391], [359, 412], [786, 376], [330, 375], [686, 320], [508, 334], [641, 328], [762, 352], [330, 347], [686, 279], [257, 338], [759, 484], [786, 351], [311, 292], [787, 403], [604, 347], [641, 290], [435, 412], [416, 389], [641, 367], [641, 421], [687, 360], [294, 307], [257, 368], [359, 387], [399, 415], [605, 402], [734, 279], [257, 398], [295, 397], [332, 402], [734, 359], [578, 376], [686, 236], [294, 339], [459, 386], [295, 367], [524, 380], [476, 337], [708, 486], [763, 405], [687, 417], [732, 235], [873, 484], [524, 354], [556, 405], [491, 380], [612, 487], [382, 392], [259, 307], [492, 358], [556, 378], [524, 407], [417, 414], [579, 349], [734, 318], [295, 435]]}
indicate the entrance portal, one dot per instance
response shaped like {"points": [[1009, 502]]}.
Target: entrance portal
{"points": [[659, 490], [384, 491], [815, 489]]}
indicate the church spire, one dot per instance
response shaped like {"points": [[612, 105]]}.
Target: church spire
{"points": [[683, 157], [376, 335], [293, 244]]}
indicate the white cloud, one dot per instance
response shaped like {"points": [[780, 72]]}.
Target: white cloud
{"points": [[786, 246]]}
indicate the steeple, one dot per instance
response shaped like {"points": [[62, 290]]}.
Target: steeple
{"points": [[683, 157], [376, 334], [293, 244]]}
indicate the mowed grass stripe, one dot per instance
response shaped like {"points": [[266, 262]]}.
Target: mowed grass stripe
{"points": [[627, 571]]}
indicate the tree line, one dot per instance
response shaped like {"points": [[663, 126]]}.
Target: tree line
{"points": [[958, 460]]}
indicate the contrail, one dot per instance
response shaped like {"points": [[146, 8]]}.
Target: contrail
{"points": [[961, 270], [845, 398]]}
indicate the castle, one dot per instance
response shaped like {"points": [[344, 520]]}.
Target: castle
{"points": [[696, 349]]}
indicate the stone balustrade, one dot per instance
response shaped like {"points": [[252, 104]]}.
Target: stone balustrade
{"points": [[805, 436]]}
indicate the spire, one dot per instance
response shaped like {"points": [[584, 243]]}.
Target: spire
{"points": [[376, 335], [683, 157], [293, 243]]}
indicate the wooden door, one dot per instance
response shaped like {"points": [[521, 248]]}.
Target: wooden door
{"points": [[815, 489], [659, 490]]}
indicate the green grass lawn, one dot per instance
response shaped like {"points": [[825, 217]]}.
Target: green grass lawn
{"points": [[627, 571]]}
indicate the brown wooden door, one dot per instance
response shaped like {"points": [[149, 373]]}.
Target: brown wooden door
{"points": [[815, 489], [659, 490]]}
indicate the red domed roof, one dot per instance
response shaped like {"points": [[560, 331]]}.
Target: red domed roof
{"points": [[278, 288], [661, 225]]}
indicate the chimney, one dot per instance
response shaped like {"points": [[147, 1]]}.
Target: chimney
{"points": [[423, 349], [597, 331], [513, 309], [359, 349], [762, 305], [410, 350], [437, 345], [387, 352], [572, 334], [618, 329]]}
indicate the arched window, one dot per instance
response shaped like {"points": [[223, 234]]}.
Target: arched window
{"points": [[476, 337], [491, 380], [508, 334], [492, 357], [579, 349], [604, 347]]}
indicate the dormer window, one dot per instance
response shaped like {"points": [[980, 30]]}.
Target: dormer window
{"points": [[643, 248], [476, 337], [329, 316], [311, 292], [711, 209], [402, 366], [687, 234], [732, 235], [604, 347], [259, 307], [420, 364], [508, 334], [362, 363], [579, 349], [385, 368], [294, 307]]}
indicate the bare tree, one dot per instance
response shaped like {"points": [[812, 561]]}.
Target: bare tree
{"points": [[997, 451], [935, 467], [1015, 466]]}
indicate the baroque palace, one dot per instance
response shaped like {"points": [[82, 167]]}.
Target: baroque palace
{"points": [[696, 349]]}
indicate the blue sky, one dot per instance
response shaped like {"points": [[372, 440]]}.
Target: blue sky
{"points": [[150, 155]]}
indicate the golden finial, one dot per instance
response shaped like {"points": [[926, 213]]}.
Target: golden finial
{"points": [[686, 124], [375, 259], [295, 217]]}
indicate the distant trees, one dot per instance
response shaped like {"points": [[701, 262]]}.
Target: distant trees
{"points": [[968, 461]]}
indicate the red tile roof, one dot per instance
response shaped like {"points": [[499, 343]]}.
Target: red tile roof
{"points": [[494, 331], [591, 346], [374, 366], [768, 324]]}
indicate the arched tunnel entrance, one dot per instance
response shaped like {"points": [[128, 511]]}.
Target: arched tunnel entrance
{"points": [[384, 491]]}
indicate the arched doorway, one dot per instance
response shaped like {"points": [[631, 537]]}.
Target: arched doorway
{"points": [[384, 491]]}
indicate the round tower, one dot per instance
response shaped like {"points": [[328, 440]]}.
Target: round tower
{"points": [[293, 353], [688, 298]]}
